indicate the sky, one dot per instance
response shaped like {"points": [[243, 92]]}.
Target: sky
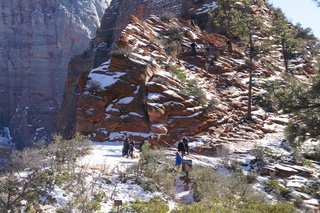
{"points": [[305, 12]]}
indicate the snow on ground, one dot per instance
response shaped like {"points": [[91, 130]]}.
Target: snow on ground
{"points": [[107, 165], [108, 157]]}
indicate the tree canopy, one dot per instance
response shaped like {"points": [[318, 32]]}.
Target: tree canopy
{"points": [[303, 100]]}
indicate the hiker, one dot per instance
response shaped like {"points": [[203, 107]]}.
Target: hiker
{"points": [[143, 146], [207, 47], [186, 145], [229, 44], [125, 148], [181, 147], [178, 162], [131, 145], [193, 48]]}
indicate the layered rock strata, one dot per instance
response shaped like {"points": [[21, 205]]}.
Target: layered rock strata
{"points": [[37, 40]]}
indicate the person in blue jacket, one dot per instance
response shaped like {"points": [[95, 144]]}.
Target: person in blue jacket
{"points": [[178, 162]]}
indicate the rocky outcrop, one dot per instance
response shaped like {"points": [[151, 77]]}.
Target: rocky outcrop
{"points": [[37, 40], [115, 19], [145, 88]]}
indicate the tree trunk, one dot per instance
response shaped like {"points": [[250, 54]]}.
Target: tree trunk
{"points": [[285, 54], [249, 116]]}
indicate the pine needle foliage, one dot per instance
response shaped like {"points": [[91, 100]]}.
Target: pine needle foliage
{"points": [[303, 100], [32, 173]]}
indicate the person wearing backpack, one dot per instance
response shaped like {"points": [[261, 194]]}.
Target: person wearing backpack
{"points": [[125, 148], [131, 146], [193, 48], [178, 162], [186, 145], [181, 147]]}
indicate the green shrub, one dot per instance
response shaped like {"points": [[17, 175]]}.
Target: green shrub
{"points": [[94, 86], [175, 32], [172, 47], [66, 152], [269, 66], [192, 89], [172, 39], [208, 182], [233, 205], [312, 187], [203, 179], [273, 186], [313, 154], [155, 205], [18, 187], [166, 17], [45, 166], [263, 101], [264, 155], [176, 71], [158, 174], [121, 52], [210, 106]]}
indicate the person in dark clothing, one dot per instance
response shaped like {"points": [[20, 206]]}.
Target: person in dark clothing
{"points": [[193, 48], [125, 148], [181, 147], [186, 145], [207, 46], [131, 145]]}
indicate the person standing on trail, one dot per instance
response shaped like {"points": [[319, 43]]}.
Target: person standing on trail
{"points": [[125, 148], [143, 146], [186, 145], [193, 48], [131, 145], [178, 162], [181, 147], [207, 47]]}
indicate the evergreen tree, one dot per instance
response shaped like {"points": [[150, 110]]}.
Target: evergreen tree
{"points": [[303, 100], [239, 22], [225, 16], [285, 36]]}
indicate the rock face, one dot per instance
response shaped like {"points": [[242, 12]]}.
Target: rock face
{"points": [[152, 87], [37, 40], [115, 19]]}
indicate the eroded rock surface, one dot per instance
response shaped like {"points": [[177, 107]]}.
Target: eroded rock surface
{"points": [[37, 41]]}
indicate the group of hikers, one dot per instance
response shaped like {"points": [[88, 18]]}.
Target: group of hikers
{"points": [[194, 46], [183, 149], [128, 147]]}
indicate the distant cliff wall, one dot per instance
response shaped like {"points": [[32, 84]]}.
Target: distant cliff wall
{"points": [[115, 19], [37, 41]]}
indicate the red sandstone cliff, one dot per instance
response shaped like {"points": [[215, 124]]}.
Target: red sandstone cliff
{"points": [[37, 40], [136, 93]]}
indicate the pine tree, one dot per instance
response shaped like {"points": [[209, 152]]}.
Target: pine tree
{"points": [[303, 100], [285, 36], [225, 14], [239, 22]]}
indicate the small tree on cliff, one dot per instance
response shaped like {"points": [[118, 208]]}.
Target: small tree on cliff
{"points": [[303, 100], [285, 36], [239, 22], [225, 16]]}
